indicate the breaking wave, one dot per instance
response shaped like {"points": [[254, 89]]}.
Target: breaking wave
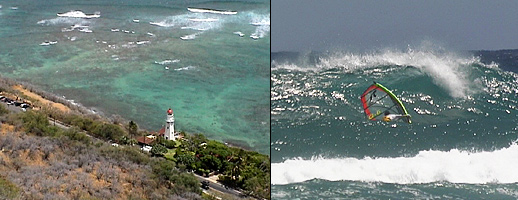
{"points": [[453, 166], [447, 69]]}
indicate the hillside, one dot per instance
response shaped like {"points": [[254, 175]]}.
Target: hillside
{"points": [[77, 159]]}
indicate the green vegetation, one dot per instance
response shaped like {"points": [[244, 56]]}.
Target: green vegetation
{"points": [[158, 150], [247, 170], [163, 181], [3, 110], [8, 190], [132, 128], [170, 165]]}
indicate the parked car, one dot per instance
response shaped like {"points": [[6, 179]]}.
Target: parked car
{"points": [[205, 185]]}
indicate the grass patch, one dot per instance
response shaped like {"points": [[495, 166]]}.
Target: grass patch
{"points": [[170, 154], [8, 190]]}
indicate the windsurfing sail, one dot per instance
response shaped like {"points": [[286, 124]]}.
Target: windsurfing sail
{"points": [[378, 100]]}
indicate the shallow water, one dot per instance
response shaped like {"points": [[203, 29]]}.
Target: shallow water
{"points": [[132, 62]]}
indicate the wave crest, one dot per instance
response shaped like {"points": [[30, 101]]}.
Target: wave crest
{"points": [[447, 69]]}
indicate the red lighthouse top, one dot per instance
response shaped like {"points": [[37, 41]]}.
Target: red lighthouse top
{"points": [[170, 111]]}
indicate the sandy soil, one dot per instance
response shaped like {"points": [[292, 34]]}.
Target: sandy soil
{"points": [[41, 99]]}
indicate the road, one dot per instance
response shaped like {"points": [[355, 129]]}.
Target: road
{"points": [[219, 187]]}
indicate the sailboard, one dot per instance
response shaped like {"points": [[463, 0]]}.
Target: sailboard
{"points": [[377, 100]]}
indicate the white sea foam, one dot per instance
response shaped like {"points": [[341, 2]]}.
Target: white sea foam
{"points": [[239, 33], [194, 21], [262, 24], [194, 28], [166, 62], [212, 11], [184, 68], [161, 24], [79, 27], [143, 42], [203, 19], [79, 14], [48, 43], [85, 30], [64, 20], [189, 37], [292, 67], [453, 166]]}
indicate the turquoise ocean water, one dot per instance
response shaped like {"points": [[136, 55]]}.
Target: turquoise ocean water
{"points": [[461, 144], [139, 58]]}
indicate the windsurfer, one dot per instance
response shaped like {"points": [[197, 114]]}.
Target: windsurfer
{"points": [[390, 117]]}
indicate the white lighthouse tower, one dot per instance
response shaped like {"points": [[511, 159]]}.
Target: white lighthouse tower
{"points": [[169, 126]]}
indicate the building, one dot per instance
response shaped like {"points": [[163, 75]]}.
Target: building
{"points": [[146, 140], [169, 133]]}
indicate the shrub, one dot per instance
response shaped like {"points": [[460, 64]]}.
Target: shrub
{"points": [[37, 123], [108, 131], [3, 109], [158, 150], [8, 190]]}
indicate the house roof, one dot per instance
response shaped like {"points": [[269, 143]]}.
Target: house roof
{"points": [[145, 140], [161, 131]]}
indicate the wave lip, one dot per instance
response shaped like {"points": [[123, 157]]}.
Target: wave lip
{"points": [[447, 69], [453, 166]]}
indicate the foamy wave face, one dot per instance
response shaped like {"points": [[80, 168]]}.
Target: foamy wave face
{"points": [[428, 166]]}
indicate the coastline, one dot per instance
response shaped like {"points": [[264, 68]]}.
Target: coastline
{"points": [[108, 133], [66, 106]]}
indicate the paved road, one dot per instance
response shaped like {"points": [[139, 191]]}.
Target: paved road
{"points": [[220, 187]]}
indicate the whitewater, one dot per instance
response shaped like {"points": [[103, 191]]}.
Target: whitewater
{"points": [[454, 166], [461, 144]]}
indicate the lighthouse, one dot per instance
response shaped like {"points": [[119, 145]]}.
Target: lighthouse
{"points": [[169, 126]]}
